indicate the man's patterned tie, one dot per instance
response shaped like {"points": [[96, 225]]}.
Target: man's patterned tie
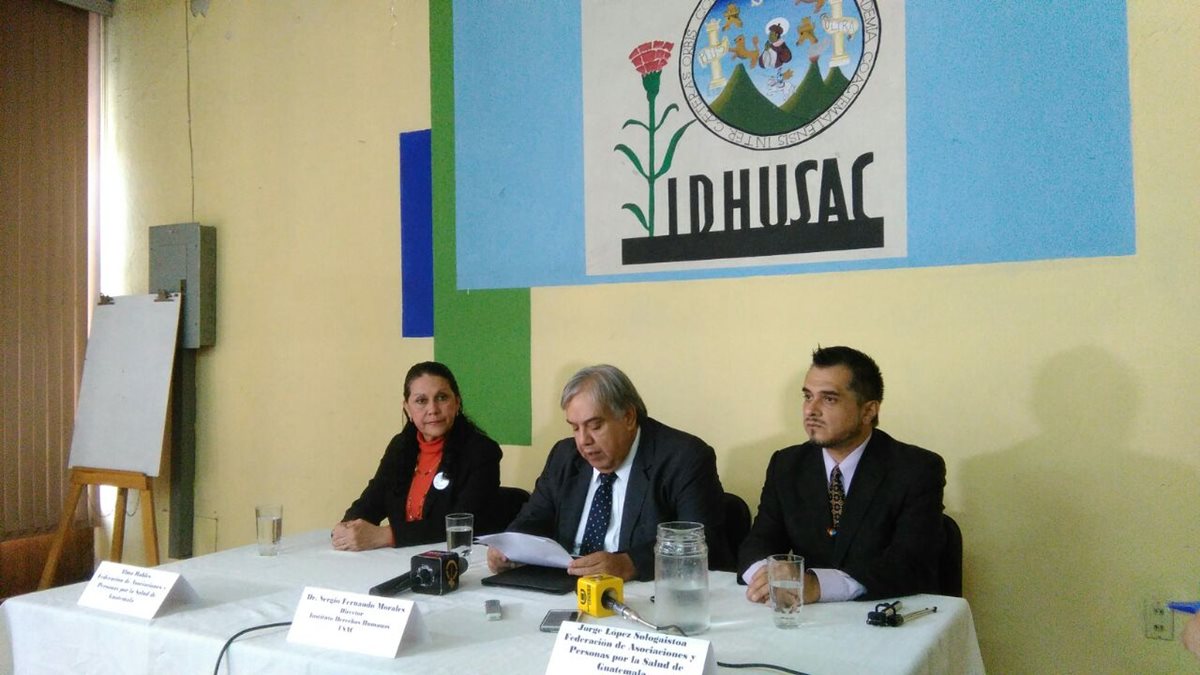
{"points": [[837, 498], [598, 516]]}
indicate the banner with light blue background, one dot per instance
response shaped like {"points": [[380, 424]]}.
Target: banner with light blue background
{"points": [[1016, 119]]}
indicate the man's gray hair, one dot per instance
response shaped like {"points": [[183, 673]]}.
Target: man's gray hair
{"points": [[611, 387]]}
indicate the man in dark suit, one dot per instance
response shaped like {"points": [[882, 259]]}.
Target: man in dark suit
{"points": [[862, 508], [637, 472]]}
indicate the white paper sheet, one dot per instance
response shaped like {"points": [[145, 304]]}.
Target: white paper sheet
{"points": [[527, 548]]}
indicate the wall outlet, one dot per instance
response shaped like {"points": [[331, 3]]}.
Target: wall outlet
{"points": [[1158, 621]]}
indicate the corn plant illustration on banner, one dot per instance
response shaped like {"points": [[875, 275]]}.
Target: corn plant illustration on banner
{"points": [[739, 133]]}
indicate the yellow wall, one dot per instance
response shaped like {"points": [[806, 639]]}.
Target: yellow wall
{"points": [[1061, 393], [296, 109]]}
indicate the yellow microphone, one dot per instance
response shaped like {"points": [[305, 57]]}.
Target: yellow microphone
{"points": [[604, 595], [590, 590]]}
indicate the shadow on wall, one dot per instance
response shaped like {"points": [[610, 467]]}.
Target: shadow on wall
{"points": [[1069, 520], [743, 467]]}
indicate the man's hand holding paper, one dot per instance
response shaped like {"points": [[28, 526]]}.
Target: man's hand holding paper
{"points": [[519, 548]]}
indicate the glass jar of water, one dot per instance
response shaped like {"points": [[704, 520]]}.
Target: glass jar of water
{"points": [[681, 577]]}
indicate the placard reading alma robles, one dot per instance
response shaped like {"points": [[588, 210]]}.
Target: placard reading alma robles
{"points": [[743, 133]]}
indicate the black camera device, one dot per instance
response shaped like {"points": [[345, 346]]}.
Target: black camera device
{"points": [[436, 572], [432, 573]]}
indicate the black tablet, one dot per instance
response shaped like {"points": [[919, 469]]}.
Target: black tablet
{"points": [[553, 580]]}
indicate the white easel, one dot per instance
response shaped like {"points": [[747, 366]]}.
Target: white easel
{"points": [[122, 412]]}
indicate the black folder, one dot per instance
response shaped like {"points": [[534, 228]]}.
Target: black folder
{"points": [[553, 580]]}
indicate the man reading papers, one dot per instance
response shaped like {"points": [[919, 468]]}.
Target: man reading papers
{"points": [[603, 492]]}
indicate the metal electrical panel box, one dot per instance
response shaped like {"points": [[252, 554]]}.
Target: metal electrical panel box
{"points": [[187, 253]]}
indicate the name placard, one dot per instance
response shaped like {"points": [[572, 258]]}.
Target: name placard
{"points": [[591, 648], [133, 591], [354, 622]]}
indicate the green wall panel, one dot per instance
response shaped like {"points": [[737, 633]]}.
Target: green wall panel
{"points": [[482, 335]]}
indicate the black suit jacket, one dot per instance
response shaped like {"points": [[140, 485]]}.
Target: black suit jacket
{"points": [[471, 463], [890, 532], [674, 477]]}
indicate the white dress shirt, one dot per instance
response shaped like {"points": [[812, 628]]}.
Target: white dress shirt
{"points": [[612, 536], [836, 585]]}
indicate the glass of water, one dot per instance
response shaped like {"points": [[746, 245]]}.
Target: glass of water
{"points": [[785, 574], [460, 532], [269, 519]]}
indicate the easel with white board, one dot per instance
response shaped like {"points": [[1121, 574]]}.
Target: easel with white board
{"points": [[120, 420]]}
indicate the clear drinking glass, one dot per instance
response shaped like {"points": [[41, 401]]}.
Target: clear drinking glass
{"points": [[460, 532], [269, 523], [785, 574]]}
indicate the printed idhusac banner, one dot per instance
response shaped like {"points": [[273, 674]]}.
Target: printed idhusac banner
{"points": [[737, 133]]}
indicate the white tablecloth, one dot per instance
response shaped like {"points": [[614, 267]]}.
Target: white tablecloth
{"points": [[47, 632]]}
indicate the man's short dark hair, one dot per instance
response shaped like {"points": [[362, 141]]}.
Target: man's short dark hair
{"points": [[865, 379]]}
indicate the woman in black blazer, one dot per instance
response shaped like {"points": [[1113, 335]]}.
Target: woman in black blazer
{"points": [[439, 463]]}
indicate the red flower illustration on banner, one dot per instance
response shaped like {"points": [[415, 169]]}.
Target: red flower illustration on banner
{"points": [[649, 59]]}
